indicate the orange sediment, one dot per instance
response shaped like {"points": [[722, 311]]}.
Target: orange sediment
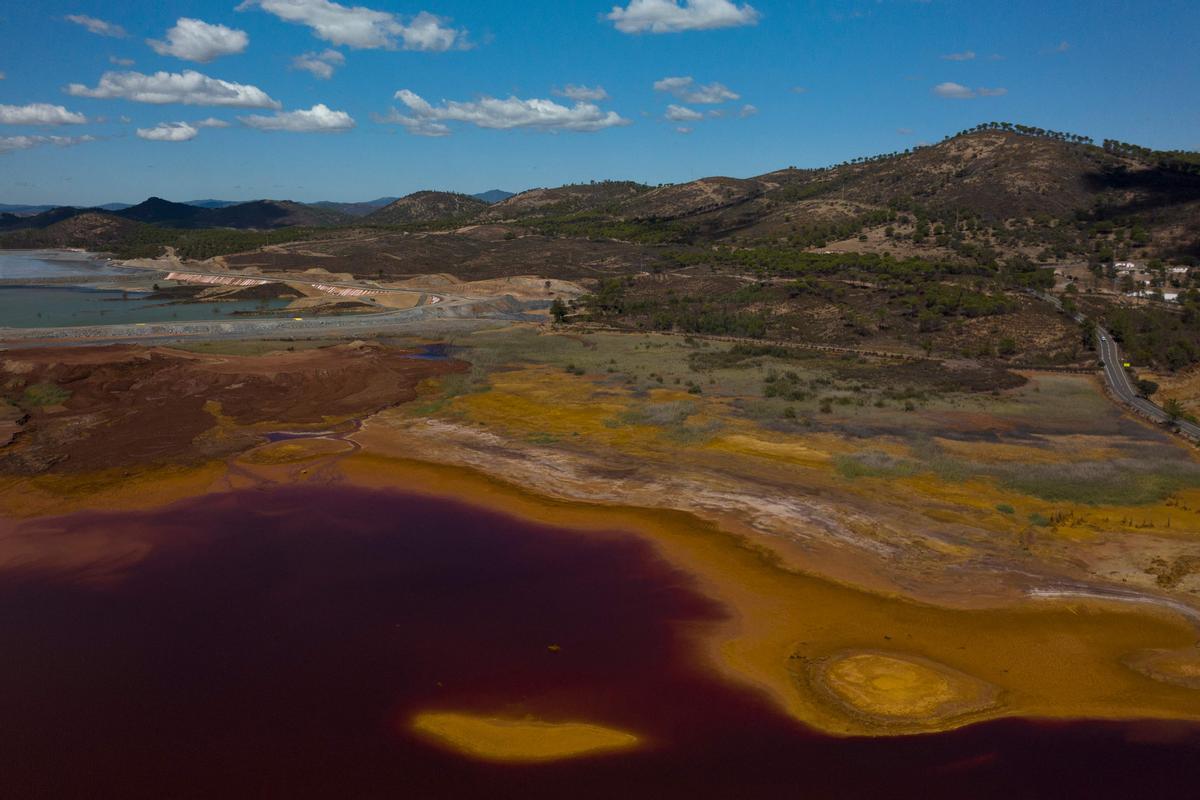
{"points": [[519, 740], [787, 631], [1064, 659]]}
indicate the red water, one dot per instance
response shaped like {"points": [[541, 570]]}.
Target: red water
{"points": [[274, 643]]}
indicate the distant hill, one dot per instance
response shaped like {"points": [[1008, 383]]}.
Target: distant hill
{"points": [[598, 196], [212, 203], [271, 214], [360, 209], [493, 195], [257, 214], [23, 211], [29, 211], [95, 230], [157, 211], [981, 194], [687, 199], [426, 207], [43, 220]]}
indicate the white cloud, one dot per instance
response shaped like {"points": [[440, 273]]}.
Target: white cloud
{"points": [[121, 62], [169, 132], [197, 40], [683, 129], [417, 126], [98, 26], [365, 28], [211, 122], [11, 143], [672, 16], [582, 93], [39, 114], [321, 64], [501, 114], [953, 91], [682, 114], [318, 119], [2, 76], [1061, 47], [429, 32], [687, 90], [800, 90], [956, 91], [748, 111], [966, 55], [188, 88]]}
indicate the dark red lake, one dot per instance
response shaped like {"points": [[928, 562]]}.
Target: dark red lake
{"points": [[273, 644]]}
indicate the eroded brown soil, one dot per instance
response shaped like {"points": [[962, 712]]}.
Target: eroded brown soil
{"points": [[89, 408]]}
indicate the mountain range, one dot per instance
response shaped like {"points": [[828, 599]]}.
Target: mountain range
{"points": [[1036, 190], [349, 209]]}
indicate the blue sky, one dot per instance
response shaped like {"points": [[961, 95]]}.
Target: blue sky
{"points": [[363, 112]]}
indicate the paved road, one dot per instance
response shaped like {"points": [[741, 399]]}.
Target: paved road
{"points": [[1121, 385], [1118, 379]]}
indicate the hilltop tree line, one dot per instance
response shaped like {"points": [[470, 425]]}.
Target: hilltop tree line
{"points": [[1184, 161], [1027, 130]]}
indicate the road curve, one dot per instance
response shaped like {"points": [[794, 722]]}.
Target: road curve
{"points": [[1121, 385], [1118, 379]]}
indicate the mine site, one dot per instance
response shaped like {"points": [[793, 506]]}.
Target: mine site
{"points": [[871, 472]]}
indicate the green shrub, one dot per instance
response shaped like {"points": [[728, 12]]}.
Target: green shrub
{"points": [[45, 394]]}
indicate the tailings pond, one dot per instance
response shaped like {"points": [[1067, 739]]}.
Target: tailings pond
{"points": [[276, 643]]}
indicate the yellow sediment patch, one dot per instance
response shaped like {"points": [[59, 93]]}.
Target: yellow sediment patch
{"points": [[1044, 658], [542, 401], [1060, 449], [901, 691], [1180, 667], [783, 450], [519, 740], [527, 400], [112, 490]]}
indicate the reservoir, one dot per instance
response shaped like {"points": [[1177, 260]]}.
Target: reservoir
{"points": [[50, 288], [43, 264], [59, 306], [278, 642]]}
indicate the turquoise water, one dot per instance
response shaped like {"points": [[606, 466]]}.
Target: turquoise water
{"points": [[57, 306]]}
